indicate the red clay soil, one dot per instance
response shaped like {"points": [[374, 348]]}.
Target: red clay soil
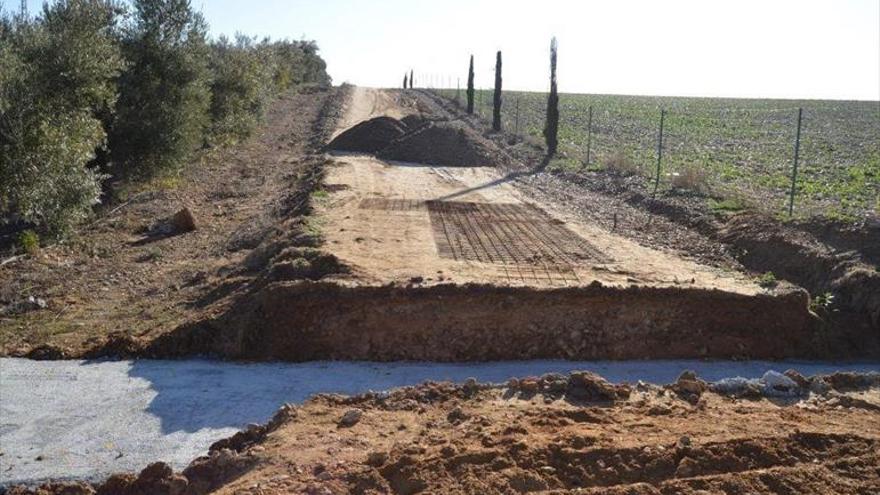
{"points": [[556, 434]]}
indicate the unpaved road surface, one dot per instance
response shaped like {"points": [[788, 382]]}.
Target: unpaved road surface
{"points": [[644, 441], [87, 420], [394, 222]]}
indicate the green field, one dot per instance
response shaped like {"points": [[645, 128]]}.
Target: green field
{"points": [[738, 149]]}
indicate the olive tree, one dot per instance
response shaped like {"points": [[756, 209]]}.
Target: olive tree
{"points": [[164, 101], [57, 76]]}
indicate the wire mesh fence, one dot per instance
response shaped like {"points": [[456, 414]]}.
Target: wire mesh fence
{"points": [[739, 151]]}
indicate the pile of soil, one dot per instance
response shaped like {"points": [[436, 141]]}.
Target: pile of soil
{"points": [[415, 139], [369, 136], [444, 143]]}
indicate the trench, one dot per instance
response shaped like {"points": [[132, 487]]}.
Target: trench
{"points": [[85, 420]]}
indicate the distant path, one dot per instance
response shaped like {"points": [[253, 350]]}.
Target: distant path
{"points": [[89, 420], [385, 219]]}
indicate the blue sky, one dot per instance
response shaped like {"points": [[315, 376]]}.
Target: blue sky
{"points": [[740, 48]]}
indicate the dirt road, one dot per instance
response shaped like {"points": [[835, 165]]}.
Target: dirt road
{"points": [[395, 222]]}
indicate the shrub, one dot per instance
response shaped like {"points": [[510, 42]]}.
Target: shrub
{"points": [[242, 83], [296, 62], [29, 242], [56, 75], [162, 113], [692, 178], [621, 164], [768, 280]]}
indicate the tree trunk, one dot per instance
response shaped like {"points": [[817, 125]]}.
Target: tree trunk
{"points": [[496, 102], [470, 88]]}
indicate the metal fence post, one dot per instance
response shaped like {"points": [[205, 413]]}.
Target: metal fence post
{"points": [[797, 150], [659, 152], [589, 133]]}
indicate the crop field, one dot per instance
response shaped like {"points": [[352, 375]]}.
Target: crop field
{"points": [[741, 150]]}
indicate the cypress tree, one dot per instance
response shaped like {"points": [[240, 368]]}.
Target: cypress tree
{"points": [[404, 81], [470, 88], [496, 102], [551, 126], [411, 79]]}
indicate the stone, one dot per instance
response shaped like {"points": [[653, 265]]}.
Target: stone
{"points": [[798, 378], [456, 416], [687, 468], [590, 386], [377, 459], [688, 384], [183, 221], [350, 418]]}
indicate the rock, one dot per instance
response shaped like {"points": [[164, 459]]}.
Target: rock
{"points": [[350, 418], [554, 382], [688, 384], [513, 383], [183, 221], [798, 378], [46, 352], [818, 385], [528, 385], [457, 416], [156, 471], [377, 459], [778, 382], [24, 306], [590, 386], [687, 468], [470, 386], [36, 302], [683, 442]]}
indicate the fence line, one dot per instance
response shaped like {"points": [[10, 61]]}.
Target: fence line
{"points": [[736, 149]]}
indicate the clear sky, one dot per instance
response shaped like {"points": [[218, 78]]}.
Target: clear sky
{"points": [[742, 48]]}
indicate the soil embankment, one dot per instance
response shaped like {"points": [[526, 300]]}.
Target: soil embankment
{"points": [[483, 323]]}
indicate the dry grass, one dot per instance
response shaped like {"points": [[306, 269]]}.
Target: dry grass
{"points": [[692, 178], [622, 164]]}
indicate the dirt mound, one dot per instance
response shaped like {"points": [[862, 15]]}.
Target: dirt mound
{"points": [[574, 433], [413, 120], [369, 136], [444, 143]]}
